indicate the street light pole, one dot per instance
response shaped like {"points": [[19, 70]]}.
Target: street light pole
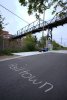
{"points": [[43, 22]]}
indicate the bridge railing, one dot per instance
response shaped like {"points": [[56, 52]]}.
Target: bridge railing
{"points": [[39, 23], [58, 17]]}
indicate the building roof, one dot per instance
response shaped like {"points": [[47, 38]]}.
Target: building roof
{"points": [[6, 34]]}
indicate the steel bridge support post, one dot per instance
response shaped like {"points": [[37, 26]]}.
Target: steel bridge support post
{"points": [[49, 40]]}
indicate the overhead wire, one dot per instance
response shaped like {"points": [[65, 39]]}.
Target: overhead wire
{"points": [[13, 13]]}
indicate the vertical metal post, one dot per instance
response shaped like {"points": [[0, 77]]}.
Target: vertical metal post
{"points": [[17, 32], [51, 40], [51, 35], [39, 19], [47, 39], [43, 22]]}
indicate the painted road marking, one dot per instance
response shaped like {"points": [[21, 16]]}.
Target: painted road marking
{"points": [[25, 73]]}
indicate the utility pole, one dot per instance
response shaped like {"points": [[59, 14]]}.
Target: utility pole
{"points": [[39, 19], [43, 22], [61, 40]]}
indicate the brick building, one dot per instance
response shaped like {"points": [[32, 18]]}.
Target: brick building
{"points": [[7, 43]]}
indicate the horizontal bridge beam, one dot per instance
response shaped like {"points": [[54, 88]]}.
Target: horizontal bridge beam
{"points": [[38, 27]]}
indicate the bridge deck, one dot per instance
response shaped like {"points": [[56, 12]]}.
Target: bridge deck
{"points": [[35, 29]]}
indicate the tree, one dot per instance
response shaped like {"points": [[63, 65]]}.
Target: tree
{"points": [[42, 42], [39, 6], [35, 5], [30, 42], [1, 22], [61, 5], [2, 25], [56, 46]]}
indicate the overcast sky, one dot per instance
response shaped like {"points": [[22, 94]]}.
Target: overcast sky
{"points": [[14, 23]]}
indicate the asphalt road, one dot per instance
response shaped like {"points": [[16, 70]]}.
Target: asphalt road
{"points": [[37, 77]]}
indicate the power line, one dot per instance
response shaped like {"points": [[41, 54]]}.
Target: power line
{"points": [[60, 38], [13, 13]]}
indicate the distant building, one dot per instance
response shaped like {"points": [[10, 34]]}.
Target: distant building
{"points": [[7, 43], [4, 39], [6, 35]]}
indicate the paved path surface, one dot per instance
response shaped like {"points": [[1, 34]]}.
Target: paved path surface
{"points": [[36, 77], [5, 57]]}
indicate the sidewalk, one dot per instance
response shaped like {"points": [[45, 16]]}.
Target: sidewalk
{"points": [[59, 51], [5, 57], [18, 55], [23, 54]]}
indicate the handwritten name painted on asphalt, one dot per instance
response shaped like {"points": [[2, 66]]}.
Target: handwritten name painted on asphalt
{"points": [[25, 73]]}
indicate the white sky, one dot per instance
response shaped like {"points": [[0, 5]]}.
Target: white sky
{"points": [[16, 24]]}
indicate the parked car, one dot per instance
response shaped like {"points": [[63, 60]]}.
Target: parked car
{"points": [[43, 49]]}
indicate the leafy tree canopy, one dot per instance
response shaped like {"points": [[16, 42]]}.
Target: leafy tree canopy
{"points": [[56, 46], [1, 22], [42, 42], [2, 25], [39, 6], [30, 42]]}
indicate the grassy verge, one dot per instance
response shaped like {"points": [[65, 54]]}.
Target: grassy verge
{"points": [[5, 52], [10, 51]]}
